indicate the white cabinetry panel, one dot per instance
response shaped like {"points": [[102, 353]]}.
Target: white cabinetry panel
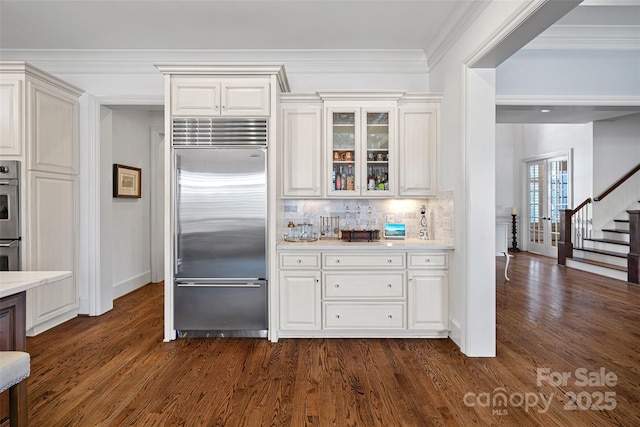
{"points": [[53, 126], [361, 259], [206, 96], [418, 125], [363, 315], [10, 117], [300, 300], [363, 285], [53, 224], [428, 300], [302, 151]]}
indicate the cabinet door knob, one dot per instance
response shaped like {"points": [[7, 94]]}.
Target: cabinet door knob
{"points": [[389, 285], [337, 316], [337, 285], [389, 261], [299, 261], [337, 261], [390, 316], [427, 260]]}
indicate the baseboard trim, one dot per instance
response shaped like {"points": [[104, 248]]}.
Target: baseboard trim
{"points": [[130, 285]]}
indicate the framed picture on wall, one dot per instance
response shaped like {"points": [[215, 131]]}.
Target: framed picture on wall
{"points": [[127, 181]]}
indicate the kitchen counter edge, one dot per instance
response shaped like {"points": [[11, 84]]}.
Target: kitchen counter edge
{"points": [[14, 282], [342, 245]]}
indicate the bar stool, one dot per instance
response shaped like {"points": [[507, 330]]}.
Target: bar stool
{"points": [[15, 367]]}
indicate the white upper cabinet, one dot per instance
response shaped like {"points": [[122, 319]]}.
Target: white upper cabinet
{"points": [[302, 149], [10, 117], [418, 149], [361, 153], [53, 129], [214, 96]]}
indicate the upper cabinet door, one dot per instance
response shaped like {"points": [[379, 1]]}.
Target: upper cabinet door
{"points": [[195, 96], [418, 171], [52, 124], [10, 117], [245, 97], [205, 96], [361, 151], [301, 151], [344, 149]]}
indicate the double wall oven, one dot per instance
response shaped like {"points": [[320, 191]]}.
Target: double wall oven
{"points": [[9, 215]]}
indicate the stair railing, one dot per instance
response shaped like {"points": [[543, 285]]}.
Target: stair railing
{"points": [[575, 226]]}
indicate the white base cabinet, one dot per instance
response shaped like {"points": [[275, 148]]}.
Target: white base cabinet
{"points": [[363, 294]]}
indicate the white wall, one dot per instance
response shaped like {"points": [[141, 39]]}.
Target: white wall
{"points": [[517, 143], [616, 150], [557, 73], [131, 218], [467, 156]]}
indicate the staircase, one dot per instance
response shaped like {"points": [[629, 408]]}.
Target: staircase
{"points": [[606, 255], [614, 250]]}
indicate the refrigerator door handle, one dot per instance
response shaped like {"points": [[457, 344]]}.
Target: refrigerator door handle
{"points": [[217, 285]]}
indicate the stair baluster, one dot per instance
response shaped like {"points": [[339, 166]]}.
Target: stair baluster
{"points": [[633, 259]]}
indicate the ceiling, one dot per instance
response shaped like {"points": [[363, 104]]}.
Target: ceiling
{"points": [[299, 25]]}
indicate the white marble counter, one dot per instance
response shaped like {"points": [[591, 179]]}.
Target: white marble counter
{"points": [[14, 282], [341, 245]]}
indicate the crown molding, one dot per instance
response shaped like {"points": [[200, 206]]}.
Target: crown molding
{"points": [[564, 100], [588, 37], [452, 29], [135, 61]]}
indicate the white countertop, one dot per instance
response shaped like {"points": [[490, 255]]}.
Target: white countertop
{"points": [[14, 282], [382, 244]]}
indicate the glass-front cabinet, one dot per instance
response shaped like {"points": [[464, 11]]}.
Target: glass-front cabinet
{"points": [[361, 151]]}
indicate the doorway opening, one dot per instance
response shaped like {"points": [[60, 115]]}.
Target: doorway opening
{"points": [[548, 184]]}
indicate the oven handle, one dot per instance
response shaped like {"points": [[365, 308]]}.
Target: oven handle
{"points": [[13, 182], [11, 244]]}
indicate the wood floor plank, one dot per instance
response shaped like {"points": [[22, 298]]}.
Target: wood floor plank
{"points": [[115, 370]]}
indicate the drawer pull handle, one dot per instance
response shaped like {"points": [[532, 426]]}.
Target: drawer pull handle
{"points": [[337, 261], [337, 285], [299, 261], [427, 260], [389, 261], [390, 316], [388, 285], [337, 316]]}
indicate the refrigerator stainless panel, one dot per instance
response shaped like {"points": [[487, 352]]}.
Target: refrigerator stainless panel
{"points": [[235, 307], [220, 198]]}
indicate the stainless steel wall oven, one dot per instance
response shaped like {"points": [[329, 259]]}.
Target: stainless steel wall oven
{"points": [[9, 215]]}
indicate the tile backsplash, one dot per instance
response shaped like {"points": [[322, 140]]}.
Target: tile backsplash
{"points": [[439, 213]]}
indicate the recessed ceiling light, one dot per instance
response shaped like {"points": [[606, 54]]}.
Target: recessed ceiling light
{"points": [[544, 110]]}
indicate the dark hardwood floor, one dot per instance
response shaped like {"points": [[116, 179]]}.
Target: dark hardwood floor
{"points": [[552, 323]]}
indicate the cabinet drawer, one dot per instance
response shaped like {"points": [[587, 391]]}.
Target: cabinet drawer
{"points": [[427, 259], [369, 260], [300, 260], [363, 316], [358, 285]]}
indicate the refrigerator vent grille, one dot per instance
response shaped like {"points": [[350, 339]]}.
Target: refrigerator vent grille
{"points": [[219, 131]]}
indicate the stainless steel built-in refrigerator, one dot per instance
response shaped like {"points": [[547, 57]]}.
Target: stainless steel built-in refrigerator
{"points": [[220, 229]]}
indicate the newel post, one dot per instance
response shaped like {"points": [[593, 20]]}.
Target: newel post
{"points": [[633, 259], [565, 246]]}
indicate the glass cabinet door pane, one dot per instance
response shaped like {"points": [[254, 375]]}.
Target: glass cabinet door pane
{"points": [[377, 136], [344, 152]]}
